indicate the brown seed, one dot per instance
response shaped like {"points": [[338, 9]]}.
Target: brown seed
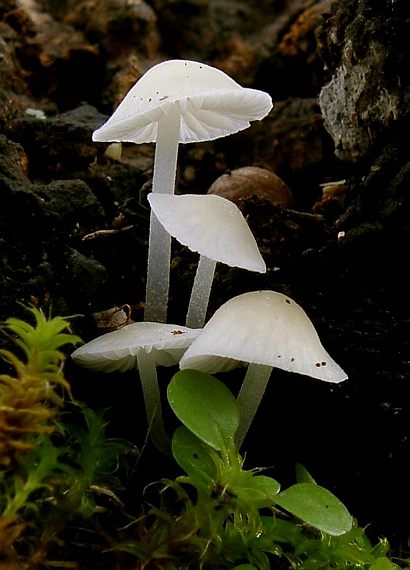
{"points": [[252, 181]]}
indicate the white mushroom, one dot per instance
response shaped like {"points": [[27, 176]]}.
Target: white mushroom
{"points": [[216, 229], [265, 329], [143, 346], [178, 101]]}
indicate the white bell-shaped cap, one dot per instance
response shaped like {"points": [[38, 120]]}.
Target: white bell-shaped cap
{"points": [[118, 350], [211, 104], [210, 225], [261, 327]]}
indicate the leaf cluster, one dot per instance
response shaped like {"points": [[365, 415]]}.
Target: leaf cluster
{"points": [[31, 397], [225, 516], [57, 476]]}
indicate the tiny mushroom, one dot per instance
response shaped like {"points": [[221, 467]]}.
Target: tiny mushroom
{"points": [[178, 101], [266, 330], [216, 229], [144, 346]]}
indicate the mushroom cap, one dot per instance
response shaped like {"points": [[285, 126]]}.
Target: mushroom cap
{"points": [[118, 350], [261, 327], [210, 225], [211, 103]]}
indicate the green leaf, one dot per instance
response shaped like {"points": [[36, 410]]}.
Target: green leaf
{"points": [[259, 491], [275, 529], [205, 406], [383, 564], [381, 549], [266, 487], [303, 475], [317, 507], [193, 456]]}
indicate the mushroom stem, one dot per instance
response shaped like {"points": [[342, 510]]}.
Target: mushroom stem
{"points": [[159, 247], [250, 396], [152, 400], [201, 290]]}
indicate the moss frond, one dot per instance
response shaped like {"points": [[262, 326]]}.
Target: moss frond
{"points": [[30, 400]]}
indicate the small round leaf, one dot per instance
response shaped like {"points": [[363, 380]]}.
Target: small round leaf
{"points": [[317, 507], [193, 456], [205, 406]]}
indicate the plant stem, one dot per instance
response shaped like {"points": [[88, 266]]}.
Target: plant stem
{"points": [[159, 248], [201, 290], [250, 396], [152, 400]]}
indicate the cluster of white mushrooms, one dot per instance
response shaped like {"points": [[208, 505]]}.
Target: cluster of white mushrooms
{"points": [[176, 102]]}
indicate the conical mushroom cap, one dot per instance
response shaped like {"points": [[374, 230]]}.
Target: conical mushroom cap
{"points": [[118, 350], [211, 225], [261, 327], [212, 105]]}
